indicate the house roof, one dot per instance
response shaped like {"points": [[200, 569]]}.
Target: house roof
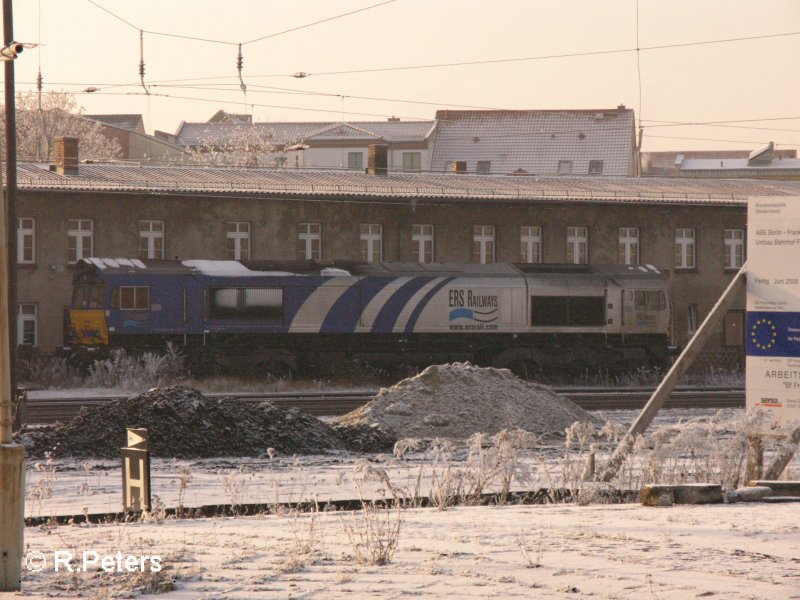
{"points": [[534, 141], [663, 163], [194, 134], [129, 122], [325, 184]]}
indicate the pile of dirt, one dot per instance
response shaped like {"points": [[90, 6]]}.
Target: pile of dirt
{"points": [[459, 399], [183, 423]]}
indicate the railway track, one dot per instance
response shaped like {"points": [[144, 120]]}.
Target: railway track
{"points": [[41, 410]]}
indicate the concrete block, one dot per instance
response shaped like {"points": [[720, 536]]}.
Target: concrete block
{"points": [[754, 493], [779, 488], [692, 493]]}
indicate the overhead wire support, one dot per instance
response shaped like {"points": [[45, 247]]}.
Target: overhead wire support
{"points": [[141, 61], [239, 66]]}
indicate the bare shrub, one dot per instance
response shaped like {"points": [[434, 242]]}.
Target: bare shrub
{"points": [[137, 372], [373, 532]]}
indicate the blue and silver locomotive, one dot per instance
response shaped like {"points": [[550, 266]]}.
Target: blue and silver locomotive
{"points": [[283, 317]]}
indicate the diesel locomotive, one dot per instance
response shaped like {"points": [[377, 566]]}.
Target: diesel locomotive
{"points": [[280, 318]]}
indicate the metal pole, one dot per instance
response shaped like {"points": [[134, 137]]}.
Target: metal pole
{"points": [[673, 376], [12, 456]]}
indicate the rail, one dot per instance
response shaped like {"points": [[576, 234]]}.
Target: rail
{"points": [[334, 403]]}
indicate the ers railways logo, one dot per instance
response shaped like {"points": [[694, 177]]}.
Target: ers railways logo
{"points": [[464, 304], [763, 334]]}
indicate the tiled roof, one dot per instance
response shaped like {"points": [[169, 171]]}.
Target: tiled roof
{"points": [[534, 141], [129, 122], [663, 163], [193, 134], [308, 184]]}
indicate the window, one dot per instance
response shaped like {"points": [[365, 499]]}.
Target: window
{"points": [[355, 160], [577, 245], [422, 243], [629, 245], [26, 325], [530, 244], [568, 311], [649, 300], [131, 297], [564, 167], [26, 241], [412, 161], [595, 167], [80, 239], [691, 320], [371, 242], [245, 303], [734, 248], [237, 240], [483, 244], [684, 248], [309, 241], [151, 239], [484, 167]]}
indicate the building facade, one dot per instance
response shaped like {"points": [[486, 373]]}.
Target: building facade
{"points": [[694, 230]]}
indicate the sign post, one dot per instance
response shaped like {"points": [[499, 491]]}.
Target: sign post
{"points": [[772, 334], [136, 472]]}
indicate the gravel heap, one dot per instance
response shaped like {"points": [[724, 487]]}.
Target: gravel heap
{"points": [[459, 399], [182, 423]]}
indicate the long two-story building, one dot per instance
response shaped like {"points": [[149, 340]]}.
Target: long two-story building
{"points": [[692, 229]]}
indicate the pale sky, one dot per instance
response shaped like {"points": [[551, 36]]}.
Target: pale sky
{"points": [[84, 46]]}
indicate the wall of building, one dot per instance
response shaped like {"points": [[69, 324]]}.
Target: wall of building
{"points": [[195, 228], [337, 157]]}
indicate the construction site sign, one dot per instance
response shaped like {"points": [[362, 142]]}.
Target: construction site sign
{"points": [[772, 335]]}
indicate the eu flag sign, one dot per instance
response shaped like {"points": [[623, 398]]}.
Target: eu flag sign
{"points": [[772, 331]]}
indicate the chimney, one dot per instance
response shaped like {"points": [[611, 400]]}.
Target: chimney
{"points": [[458, 166], [377, 159], [66, 155]]}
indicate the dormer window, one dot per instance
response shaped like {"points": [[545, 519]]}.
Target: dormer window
{"points": [[595, 167], [564, 167]]}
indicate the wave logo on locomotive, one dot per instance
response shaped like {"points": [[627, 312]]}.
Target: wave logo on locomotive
{"points": [[478, 308]]}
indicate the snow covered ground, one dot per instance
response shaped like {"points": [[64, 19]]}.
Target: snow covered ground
{"points": [[730, 551], [740, 551]]}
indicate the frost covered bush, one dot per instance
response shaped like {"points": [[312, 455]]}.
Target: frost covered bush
{"points": [[137, 372], [697, 451]]}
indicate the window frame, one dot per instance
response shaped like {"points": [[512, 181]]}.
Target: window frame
{"points": [[369, 234], [420, 239], [577, 245], [78, 235], [237, 232], [733, 259], [23, 318], [530, 244], [413, 157], [306, 238], [151, 237], [685, 249], [628, 245], [483, 244], [355, 165], [595, 170], [141, 300], [24, 234], [564, 167]]}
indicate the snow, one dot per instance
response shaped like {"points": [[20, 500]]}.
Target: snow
{"points": [[555, 551]]}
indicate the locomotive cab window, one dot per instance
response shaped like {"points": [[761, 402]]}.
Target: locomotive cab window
{"points": [[649, 300], [568, 311], [131, 297], [245, 303], [88, 295]]}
